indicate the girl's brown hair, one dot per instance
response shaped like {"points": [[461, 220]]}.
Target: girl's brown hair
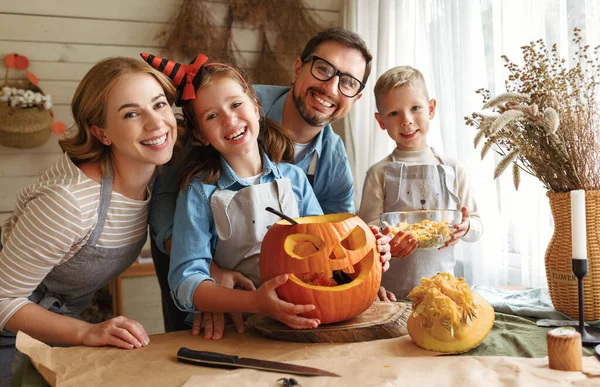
{"points": [[89, 108], [205, 161]]}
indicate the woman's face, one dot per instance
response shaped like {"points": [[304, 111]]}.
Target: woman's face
{"points": [[228, 118], [139, 125]]}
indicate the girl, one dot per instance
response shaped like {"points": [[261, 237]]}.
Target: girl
{"points": [[226, 183], [84, 221]]}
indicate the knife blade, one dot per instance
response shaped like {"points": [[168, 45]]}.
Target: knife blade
{"points": [[219, 360]]}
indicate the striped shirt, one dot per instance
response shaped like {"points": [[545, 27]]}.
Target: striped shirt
{"points": [[52, 221]]}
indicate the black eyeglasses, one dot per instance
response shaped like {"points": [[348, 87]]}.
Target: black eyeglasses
{"points": [[324, 71]]}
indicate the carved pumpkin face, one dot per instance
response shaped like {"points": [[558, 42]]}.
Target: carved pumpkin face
{"points": [[332, 262]]}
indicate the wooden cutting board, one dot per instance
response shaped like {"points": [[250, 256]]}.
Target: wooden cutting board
{"points": [[383, 320]]}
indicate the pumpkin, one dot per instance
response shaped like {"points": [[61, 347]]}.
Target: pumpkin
{"points": [[331, 260], [447, 316]]}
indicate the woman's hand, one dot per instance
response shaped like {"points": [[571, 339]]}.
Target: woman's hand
{"points": [[402, 245], [269, 303], [460, 230], [383, 246], [118, 331], [214, 323]]}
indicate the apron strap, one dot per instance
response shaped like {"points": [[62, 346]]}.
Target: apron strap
{"points": [[287, 200], [445, 183], [222, 222], [106, 185], [394, 175], [310, 173]]}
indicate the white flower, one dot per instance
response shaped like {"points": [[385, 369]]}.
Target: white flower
{"points": [[551, 120], [47, 104], [504, 119]]}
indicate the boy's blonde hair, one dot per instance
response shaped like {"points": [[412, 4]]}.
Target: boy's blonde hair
{"points": [[397, 77]]}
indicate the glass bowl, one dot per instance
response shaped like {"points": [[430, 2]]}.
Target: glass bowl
{"points": [[432, 228]]}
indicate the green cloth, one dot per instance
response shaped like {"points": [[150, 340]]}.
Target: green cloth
{"points": [[516, 336]]}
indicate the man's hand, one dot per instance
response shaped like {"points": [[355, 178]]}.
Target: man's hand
{"points": [[385, 295], [214, 323], [383, 246]]}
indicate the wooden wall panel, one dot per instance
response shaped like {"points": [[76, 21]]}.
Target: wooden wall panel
{"points": [[64, 38]]}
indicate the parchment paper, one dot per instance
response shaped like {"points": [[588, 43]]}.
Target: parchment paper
{"points": [[388, 362]]}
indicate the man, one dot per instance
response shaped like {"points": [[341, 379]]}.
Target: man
{"points": [[328, 79]]}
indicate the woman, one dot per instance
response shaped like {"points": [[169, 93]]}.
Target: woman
{"points": [[84, 221]]}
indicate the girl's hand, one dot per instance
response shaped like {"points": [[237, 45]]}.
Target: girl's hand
{"points": [[460, 230], [118, 331], [402, 245], [383, 246], [270, 304], [385, 295], [214, 323]]}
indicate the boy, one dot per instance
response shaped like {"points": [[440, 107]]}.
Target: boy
{"points": [[415, 177]]}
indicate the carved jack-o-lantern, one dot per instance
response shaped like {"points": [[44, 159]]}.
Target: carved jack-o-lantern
{"points": [[332, 262]]}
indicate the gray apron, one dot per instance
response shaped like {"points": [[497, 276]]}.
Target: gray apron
{"points": [[242, 222], [70, 286], [418, 187]]}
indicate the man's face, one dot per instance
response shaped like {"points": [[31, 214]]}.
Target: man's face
{"points": [[320, 103]]}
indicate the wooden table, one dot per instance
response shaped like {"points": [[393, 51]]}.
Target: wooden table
{"points": [[381, 362]]}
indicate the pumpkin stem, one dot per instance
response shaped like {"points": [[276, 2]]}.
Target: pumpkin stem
{"points": [[281, 215]]}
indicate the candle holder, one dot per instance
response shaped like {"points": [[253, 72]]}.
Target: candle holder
{"points": [[580, 269]]}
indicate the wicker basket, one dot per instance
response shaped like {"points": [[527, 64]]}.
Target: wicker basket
{"points": [[24, 127], [561, 281]]}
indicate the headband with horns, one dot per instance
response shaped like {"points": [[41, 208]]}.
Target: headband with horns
{"points": [[186, 78]]}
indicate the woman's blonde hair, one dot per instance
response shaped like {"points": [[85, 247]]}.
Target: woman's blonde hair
{"points": [[89, 107], [205, 161]]}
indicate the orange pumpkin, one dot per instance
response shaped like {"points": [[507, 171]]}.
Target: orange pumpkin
{"points": [[332, 262]]}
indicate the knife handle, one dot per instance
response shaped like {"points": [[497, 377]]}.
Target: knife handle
{"points": [[206, 357]]}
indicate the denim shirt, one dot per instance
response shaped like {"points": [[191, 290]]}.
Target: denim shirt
{"points": [[194, 231], [333, 184]]}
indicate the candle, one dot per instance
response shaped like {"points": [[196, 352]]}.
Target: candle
{"points": [[578, 238]]}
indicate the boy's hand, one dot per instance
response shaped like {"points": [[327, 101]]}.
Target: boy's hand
{"points": [[385, 295], [383, 246], [270, 304], [402, 245], [460, 230]]}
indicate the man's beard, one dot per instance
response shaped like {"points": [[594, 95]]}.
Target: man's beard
{"points": [[310, 117]]}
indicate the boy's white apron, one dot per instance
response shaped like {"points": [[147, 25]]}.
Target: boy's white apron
{"points": [[418, 187], [242, 222]]}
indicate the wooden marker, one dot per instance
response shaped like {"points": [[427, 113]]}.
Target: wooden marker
{"points": [[564, 349]]}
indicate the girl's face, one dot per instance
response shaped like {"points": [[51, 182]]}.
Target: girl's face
{"points": [[139, 126], [228, 118]]}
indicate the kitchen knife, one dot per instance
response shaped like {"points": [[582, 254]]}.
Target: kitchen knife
{"points": [[214, 359]]}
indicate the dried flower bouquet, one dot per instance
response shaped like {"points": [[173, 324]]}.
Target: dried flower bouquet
{"points": [[547, 124]]}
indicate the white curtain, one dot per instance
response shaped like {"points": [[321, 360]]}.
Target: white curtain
{"points": [[457, 44]]}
